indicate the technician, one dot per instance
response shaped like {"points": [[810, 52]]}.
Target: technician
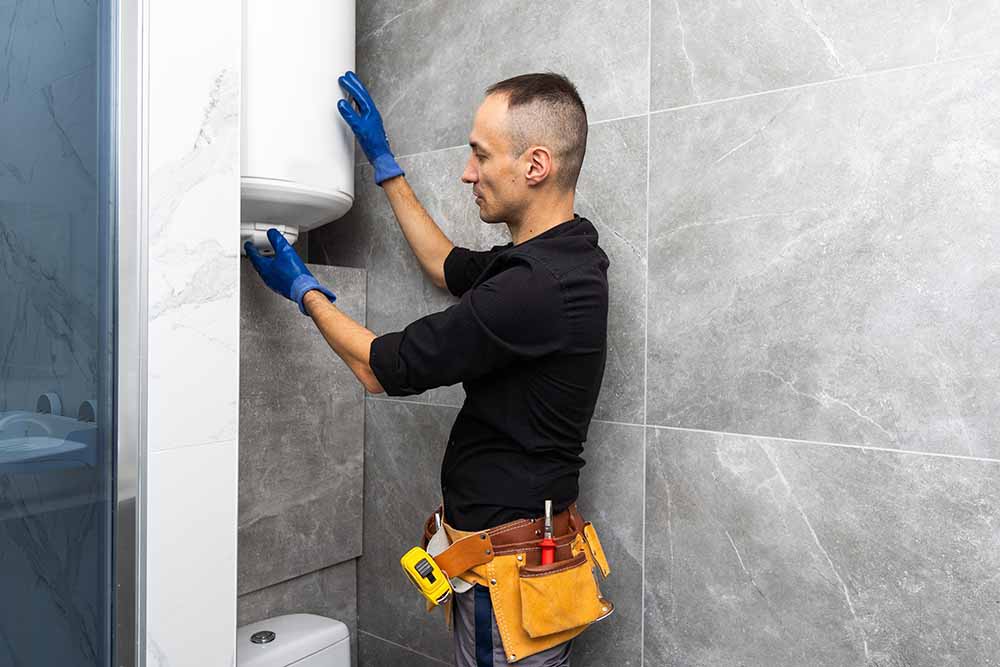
{"points": [[527, 339]]}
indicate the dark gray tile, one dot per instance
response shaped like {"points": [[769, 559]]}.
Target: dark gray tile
{"points": [[301, 436], [767, 552], [611, 498], [377, 652], [331, 592], [399, 292], [822, 266], [711, 50], [404, 445], [428, 96]]}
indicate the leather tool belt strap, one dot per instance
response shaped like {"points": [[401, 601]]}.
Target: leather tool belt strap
{"points": [[535, 606], [516, 537]]}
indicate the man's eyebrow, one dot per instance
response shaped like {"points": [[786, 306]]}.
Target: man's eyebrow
{"points": [[476, 145]]}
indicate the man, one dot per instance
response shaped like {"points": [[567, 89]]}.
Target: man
{"points": [[528, 339]]}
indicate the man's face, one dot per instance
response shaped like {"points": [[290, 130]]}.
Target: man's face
{"points": [[497, 177]]}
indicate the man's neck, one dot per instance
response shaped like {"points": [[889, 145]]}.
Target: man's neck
{"points": [[539, 221]]}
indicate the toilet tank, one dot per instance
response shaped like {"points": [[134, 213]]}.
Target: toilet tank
{"points": [[297, 153], [299, 640]]}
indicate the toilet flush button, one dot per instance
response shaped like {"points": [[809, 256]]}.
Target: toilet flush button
{"points": [[262, 637]]}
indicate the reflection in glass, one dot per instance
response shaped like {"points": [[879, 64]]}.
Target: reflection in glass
{"points": [[55, 342]]}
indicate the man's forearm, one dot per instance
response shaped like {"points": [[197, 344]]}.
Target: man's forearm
{"points": [[428, 242], [351, 341]]}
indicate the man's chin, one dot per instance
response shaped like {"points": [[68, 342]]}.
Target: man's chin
{"points": [[486, 217]]}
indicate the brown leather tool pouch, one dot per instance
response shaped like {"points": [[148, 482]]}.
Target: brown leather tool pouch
{"points": [[535, 606], [559, 596]]}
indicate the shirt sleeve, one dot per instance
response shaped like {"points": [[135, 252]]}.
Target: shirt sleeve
{"points": [[515, 315], [463, 266]]}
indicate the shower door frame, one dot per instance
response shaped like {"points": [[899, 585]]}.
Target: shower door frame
{"points": [[130, 136]]}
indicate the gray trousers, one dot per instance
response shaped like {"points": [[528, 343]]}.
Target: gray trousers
{"points": [[477, 639]]}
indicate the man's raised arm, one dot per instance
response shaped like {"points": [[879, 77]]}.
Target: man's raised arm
{"points": [[426, 239]]}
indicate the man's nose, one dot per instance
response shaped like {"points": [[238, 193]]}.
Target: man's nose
{"points": [[469, 175]]}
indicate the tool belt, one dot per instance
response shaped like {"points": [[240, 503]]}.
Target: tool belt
{"points": [[536, 606]]}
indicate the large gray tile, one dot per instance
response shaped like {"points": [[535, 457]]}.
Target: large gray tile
{"points": [[823, 266], [711, 50], [301, 436], [377, 652], [611, 497], [331, 592], [617, 207], [399, 292], [404, 444], [428, 96], [765, 552]]}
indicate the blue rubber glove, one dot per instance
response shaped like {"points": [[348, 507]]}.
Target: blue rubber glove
{"points": [[285, 273], [368, 128]]}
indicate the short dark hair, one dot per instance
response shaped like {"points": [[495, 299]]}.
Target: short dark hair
{"points": [[545, 108]]}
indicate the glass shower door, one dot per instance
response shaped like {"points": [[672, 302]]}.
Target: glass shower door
{"points": [[56, 332]]}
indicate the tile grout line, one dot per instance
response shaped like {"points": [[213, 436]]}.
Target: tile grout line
{"points": [[616, 423], [645, 328], [733, 434], [405, 648], [843, 445], [604, 121], [195, 445], [388, 399], [681, 107], [824, 82], [431, 404], [615, 120]]}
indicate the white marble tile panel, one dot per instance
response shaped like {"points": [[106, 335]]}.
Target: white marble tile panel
{"points": [[193, 222], [191, 556]]}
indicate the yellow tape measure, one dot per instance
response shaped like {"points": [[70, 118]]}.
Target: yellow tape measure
{"points": [[425, 574]]}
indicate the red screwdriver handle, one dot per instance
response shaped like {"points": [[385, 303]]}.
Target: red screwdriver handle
{"points": [[548, 550]]}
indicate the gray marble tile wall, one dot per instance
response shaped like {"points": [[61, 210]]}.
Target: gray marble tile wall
{"points": [[301, 457], [794, 457]]}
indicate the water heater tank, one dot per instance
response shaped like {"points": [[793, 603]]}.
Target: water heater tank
{"points": [[297, 160]]}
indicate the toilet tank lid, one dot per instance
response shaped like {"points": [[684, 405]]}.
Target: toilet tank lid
{"points": [[296, 636]]}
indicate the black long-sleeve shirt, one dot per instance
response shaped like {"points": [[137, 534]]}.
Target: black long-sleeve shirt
{"points": [[528, 340]]}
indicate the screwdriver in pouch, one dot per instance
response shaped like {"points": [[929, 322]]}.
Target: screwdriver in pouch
{"points": [[547, 544]]}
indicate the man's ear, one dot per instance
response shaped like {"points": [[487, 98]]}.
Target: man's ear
{"points": [[540, 165]]}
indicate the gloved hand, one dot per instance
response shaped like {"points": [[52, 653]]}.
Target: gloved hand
{"points": [[368, 127], [285, 273]]}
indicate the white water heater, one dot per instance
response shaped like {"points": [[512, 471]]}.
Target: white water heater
{"points": [[297, 159]]}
